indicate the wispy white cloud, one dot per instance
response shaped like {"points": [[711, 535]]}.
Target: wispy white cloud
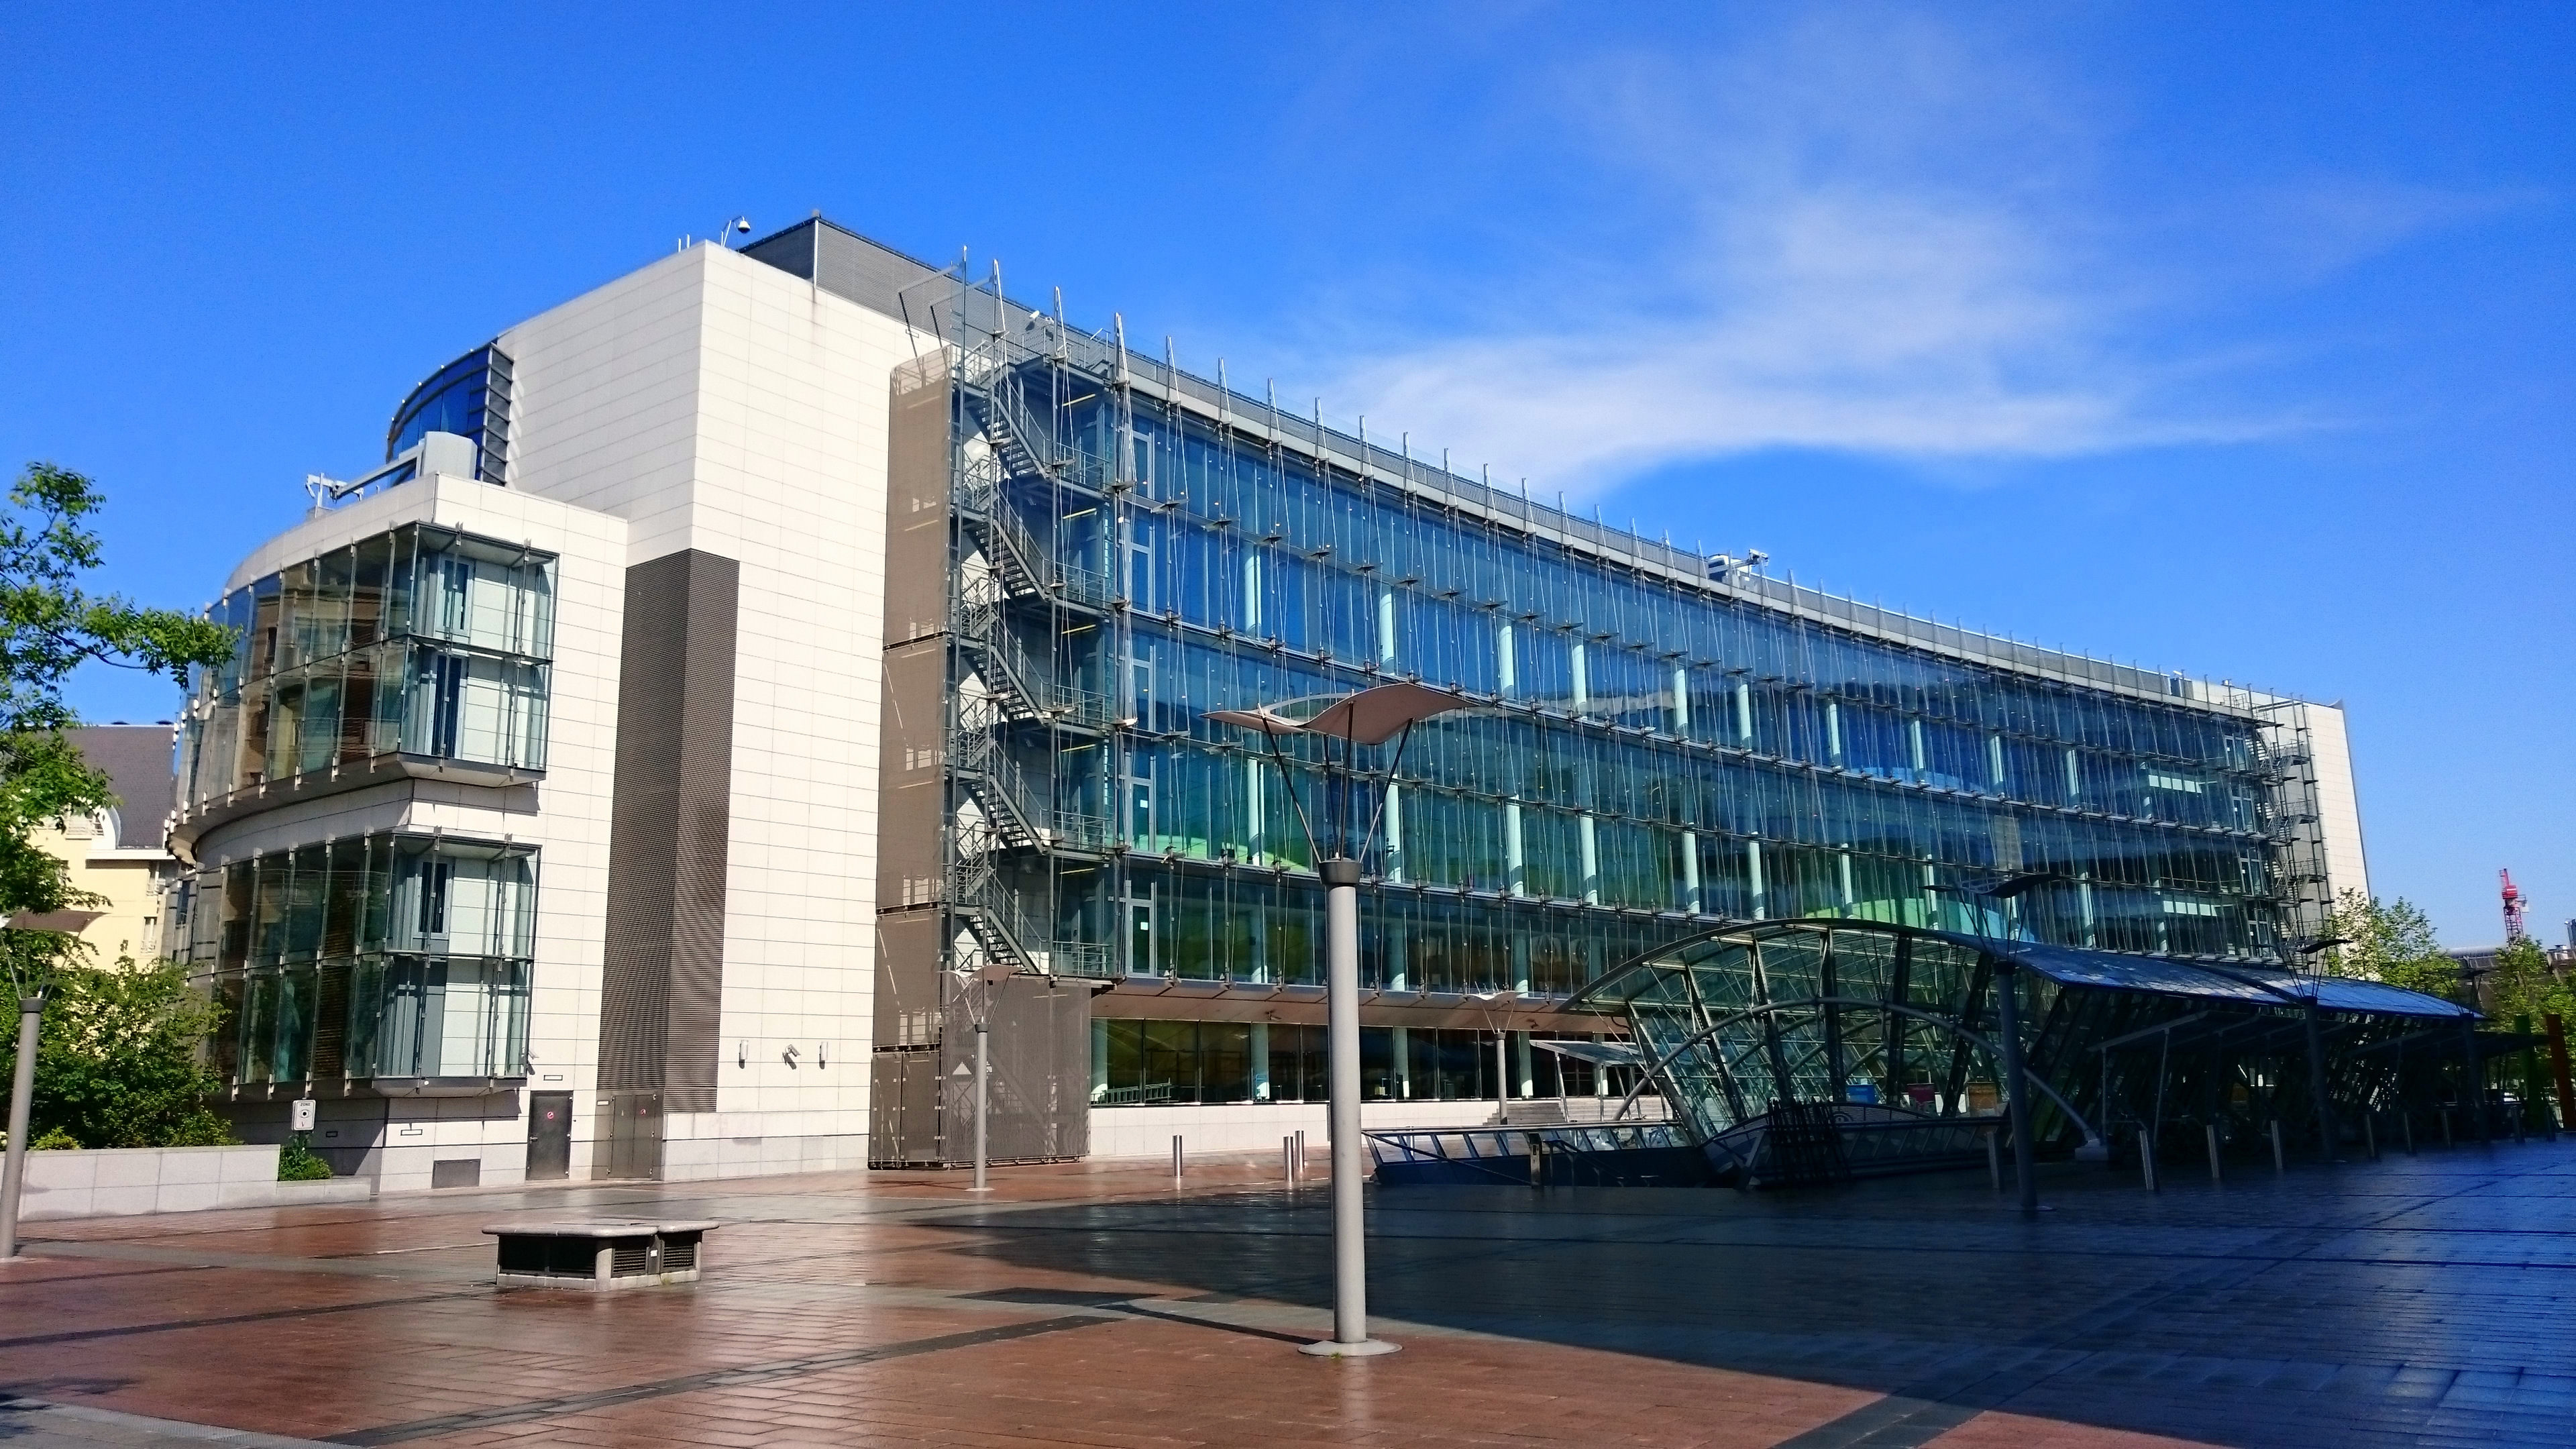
{"points": [[1873, 233]]}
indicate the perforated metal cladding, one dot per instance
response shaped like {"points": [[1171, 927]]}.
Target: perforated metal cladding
{"points": [[903, 1107], [908, 1010], [1040, 1076], [669, 820], [917, 500], [912, 805], [912, 802]]}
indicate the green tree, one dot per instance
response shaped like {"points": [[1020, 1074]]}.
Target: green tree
{"points": [[50, 626], [2389, 942], [2520, 983], [117, 1063]]}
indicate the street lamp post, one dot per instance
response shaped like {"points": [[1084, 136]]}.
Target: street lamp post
{"points": [[22, 1084], [1492, 1002], [22, 1091], [979, 986], [1369, 717]]}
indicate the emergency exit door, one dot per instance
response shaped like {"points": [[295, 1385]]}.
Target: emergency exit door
{"points": [[549, 1136]]}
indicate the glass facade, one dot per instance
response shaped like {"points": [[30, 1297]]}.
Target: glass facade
{"points": [[388, 955], [421, 642], [1650, 751], [1142, 1063], [469, 397]]}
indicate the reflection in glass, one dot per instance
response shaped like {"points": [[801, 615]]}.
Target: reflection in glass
{"points": [[421, 642], [384, 956]]}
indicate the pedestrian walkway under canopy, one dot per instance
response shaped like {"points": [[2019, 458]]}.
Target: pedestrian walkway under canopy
{"points": [[1819, 1047]]}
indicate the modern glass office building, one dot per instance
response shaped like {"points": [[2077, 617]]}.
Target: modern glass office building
{"points": [[748, 658], [1659, 742]]}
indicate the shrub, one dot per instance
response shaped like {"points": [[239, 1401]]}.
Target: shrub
{"points": [[54, 1140], [117, 1063], [297, 1163]]}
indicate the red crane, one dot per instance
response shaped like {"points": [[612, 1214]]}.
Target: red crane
{"points": [[2513, 907]]}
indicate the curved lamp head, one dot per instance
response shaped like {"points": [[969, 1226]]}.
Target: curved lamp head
{"points": [[70, 923], [1371, 717]]}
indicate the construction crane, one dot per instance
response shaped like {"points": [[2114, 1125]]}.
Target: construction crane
{"points": [[2513, 907]]}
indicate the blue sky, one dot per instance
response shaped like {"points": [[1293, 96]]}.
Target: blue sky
{"points": [[2227, 338]]}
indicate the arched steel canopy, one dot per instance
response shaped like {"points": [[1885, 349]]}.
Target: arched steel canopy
{"points": [[1734, 1021], [2248, 983]]}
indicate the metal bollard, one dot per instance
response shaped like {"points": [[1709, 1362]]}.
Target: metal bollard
{"points": [[2370, 1134], [2280, 1162], [2406, 1126], [2518, 1115], [1288, 1159], [1301, 1154], [2446, 1129], [1995, 1160], [2215, 1175], [1538, 1160], [1176, 1160], [2147, 1157]]}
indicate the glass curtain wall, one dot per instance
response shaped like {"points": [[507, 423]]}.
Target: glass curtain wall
{"points": [[1142, 1063], [469, 397], [388, 955], [422, 641], [1646, 754]]}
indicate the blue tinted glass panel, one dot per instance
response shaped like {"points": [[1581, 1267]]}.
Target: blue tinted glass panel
{"points": [[451, 401]]}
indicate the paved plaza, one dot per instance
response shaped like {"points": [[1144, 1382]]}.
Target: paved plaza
{"points": [[2417, 1300]]}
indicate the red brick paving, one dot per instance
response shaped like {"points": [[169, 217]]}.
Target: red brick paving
{"points": [[377, 1321], [2364, 1307]]}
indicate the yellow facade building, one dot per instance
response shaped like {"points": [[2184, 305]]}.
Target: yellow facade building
{"points": [[120, 852]]}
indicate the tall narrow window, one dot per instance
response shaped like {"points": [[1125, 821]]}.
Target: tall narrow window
{"points": [[452, 576], [447, 703], [435, 877]]}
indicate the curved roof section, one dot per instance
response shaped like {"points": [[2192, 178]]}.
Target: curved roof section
{"points": [[2251, 984]]}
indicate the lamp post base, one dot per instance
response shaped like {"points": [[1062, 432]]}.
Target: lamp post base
{"points": [[1365, 1348]]}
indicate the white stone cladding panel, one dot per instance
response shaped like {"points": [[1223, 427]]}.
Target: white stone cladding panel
{"points": [[2338, 800], [793, 460], [716, 403], [605, 401]]}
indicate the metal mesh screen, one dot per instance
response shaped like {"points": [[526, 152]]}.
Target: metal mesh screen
{"points": [[1041, 1073], [671, 813]]}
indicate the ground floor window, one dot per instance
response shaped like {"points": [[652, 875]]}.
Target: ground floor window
{"points": [[1140, 1063]]}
